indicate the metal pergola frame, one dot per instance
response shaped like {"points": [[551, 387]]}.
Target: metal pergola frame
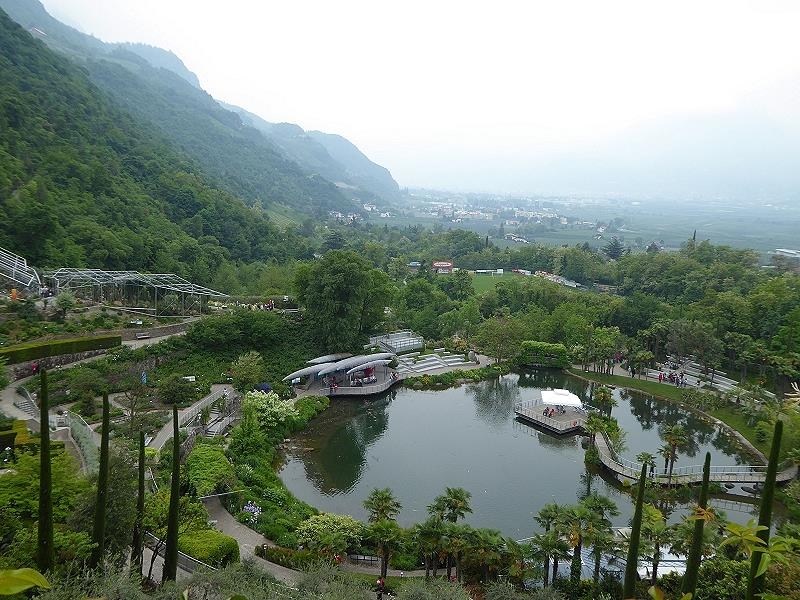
{"points": [[166, 294], [16, 269]]}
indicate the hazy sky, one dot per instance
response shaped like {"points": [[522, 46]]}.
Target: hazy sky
{"points": [[483, 94]]}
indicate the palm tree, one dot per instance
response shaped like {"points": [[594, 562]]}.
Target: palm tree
{"points": [[485, 550], [657, 533], [575, 523], [546, 518], [603, 399], [382, 505], [427, 536], [604, 506], [451, 506], [387, 535], [675, 437], [595, 424], [646, 458], [603, 542]]}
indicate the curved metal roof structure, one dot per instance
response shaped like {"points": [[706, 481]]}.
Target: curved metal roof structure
{"points": [[373, 363], [312, 370], [348, 363], [328, 358]]}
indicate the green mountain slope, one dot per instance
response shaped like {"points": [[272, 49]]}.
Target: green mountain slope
{"points": [[358, 167], [237, 157], [341, 163], [84, 183]]}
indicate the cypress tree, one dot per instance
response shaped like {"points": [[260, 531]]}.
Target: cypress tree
{"points": [[693, 560], [171, 546], [137, 546], [99, 531], [755, 583], [629, 587], [45, 556]]}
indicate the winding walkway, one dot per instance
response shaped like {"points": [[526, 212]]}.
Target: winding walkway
{"points": [[692, 474]]}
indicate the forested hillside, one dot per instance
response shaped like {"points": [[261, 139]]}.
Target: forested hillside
{"points": [[83, 183], [332, 156], [238, 158]]}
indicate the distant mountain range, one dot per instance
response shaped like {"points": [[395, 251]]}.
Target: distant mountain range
{"points": [[273, 165]]}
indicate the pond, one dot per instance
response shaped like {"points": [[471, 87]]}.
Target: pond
{"points": [[419, 442]]}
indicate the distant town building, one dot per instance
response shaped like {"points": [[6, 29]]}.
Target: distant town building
{"points": [[443, 267]]}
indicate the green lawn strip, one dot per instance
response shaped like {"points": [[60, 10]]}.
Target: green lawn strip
{"points": [[663, 390], [731, 417], [728, 415]]}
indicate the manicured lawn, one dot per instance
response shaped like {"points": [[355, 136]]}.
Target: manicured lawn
{"points": [[645, 385], [483, 282]]}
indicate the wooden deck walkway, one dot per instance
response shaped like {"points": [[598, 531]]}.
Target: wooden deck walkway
{"points": [[363, 390], [532, 411], [691, 474]]}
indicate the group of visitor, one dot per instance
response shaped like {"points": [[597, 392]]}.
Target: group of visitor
{"points": [[677, 379], [550, 411]]}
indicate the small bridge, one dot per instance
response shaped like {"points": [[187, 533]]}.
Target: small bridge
{"points": [[691, 474]]}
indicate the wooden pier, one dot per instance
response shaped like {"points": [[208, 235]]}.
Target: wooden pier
{"points": [[572, 420]]}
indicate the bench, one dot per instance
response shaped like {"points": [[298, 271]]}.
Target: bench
{"points": [[143, 335]]}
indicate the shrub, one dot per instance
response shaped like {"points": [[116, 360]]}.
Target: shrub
{"points": [[300, 560], [208, 469], [210, 546]]}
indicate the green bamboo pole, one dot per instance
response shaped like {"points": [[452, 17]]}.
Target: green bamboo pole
{"points": [[45, 555], [755, 584], [171, 545], [629, 587], [693, 560], [137, 546], [99, 531]]}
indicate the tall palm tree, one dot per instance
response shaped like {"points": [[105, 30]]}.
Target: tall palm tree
{"points": [[546, 518], [603, 398], [387, 535], [646, 458], [382, 505], [451, 506], [604, 506], [603, 543], [576, 522], [657, 534], [675, 437], [595, 424], [427, 536]]}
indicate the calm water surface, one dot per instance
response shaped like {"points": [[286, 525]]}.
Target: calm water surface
{"points": [[417, 443]]}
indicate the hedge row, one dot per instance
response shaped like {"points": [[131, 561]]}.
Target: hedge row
{"points": [[34, 350], [542, 354], [210, 546]]}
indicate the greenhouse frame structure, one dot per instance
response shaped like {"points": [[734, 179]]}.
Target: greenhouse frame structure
{"points": [[154, 294]]}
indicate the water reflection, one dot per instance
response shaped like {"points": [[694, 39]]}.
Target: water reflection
{"points": [[495, 399], [340, 457]]}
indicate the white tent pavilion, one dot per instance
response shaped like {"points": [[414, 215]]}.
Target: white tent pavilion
{"points": [[354, 361], [559, 397]]}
